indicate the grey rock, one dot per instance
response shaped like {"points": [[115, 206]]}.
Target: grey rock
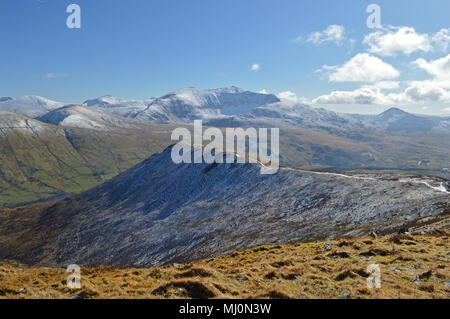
{"points": [[20, 290]]}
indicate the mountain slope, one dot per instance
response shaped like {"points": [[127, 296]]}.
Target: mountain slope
{"points": [[39, 161], [159, 212]]}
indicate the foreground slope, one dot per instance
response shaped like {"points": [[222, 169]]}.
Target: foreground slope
{"points": [[159, 212], [411, 266]]}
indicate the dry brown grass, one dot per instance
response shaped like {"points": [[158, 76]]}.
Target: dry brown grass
{"points": [[288, 271]]}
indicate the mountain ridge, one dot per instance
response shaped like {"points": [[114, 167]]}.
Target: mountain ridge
{"points": [[227, 104]]}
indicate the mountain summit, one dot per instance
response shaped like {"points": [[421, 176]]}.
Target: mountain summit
{"points": [[395, 119]]}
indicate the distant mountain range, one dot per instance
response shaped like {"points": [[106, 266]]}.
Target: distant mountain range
{"points": [[233, 105], [227, 106]]}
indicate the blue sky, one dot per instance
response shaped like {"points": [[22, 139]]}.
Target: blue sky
{"points": [[139, 49]]}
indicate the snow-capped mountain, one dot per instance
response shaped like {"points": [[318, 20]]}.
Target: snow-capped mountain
{"points": [[159, 212], [186, 105], [230, 106], [234, 107], [30, 105], [81, 116], [118, 106]]}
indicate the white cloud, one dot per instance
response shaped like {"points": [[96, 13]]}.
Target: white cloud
{"points": [[255, 67], [361, 68], [51, 75], [439, 68], [298, 39], [391, 40], [363, 95], [426, 91], [351, 45], [442, 39], [415, 92], [436, 89], [380, 89], [385, 85], [263, 91], [333, 33], [288, 96]]}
